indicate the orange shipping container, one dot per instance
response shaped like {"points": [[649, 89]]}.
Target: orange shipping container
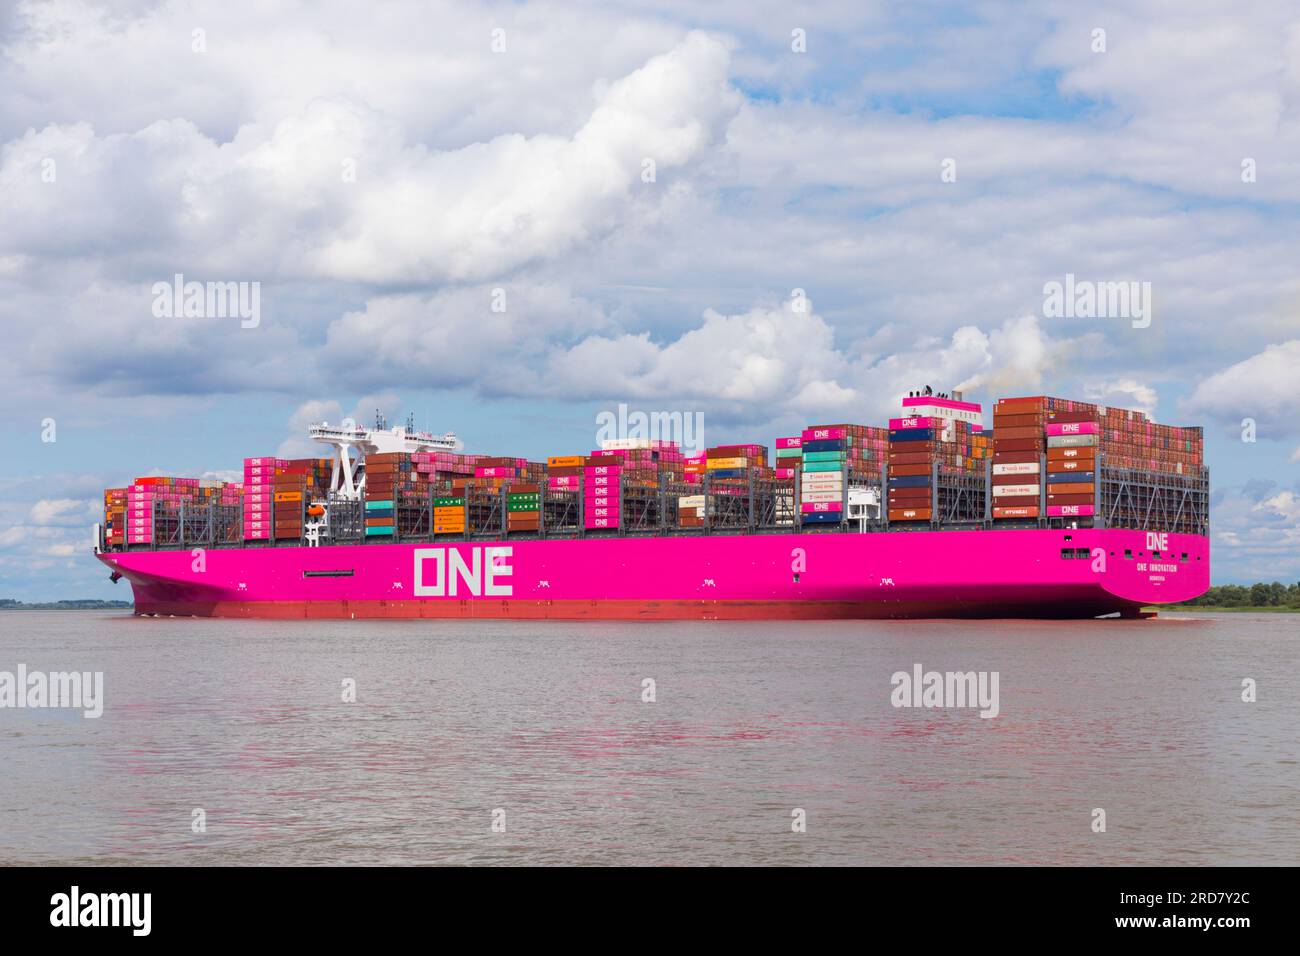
{"points": [[1023, 511], [1083, 451], [1070, 488], [1062, 465]]}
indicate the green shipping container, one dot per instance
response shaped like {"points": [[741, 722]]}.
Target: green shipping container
{"points": [[387, 530], [823, 466], [375, 505], [449, 502], [824, 456]]}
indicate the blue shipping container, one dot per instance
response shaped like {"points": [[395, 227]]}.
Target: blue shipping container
{"points": [[911, 434], [822, 517], [1066, 476]]}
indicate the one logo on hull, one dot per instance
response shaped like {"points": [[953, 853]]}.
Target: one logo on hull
{"points": [[463, 572], [1157, 541]]}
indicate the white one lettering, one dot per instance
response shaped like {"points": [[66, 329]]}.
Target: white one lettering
{"points": [[474, 574]]}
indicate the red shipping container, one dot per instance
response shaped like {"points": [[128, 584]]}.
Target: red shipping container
{"points": [[1015, 501], [1053, 499]]}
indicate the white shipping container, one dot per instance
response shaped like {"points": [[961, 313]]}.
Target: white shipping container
{"points": [[822, 496], [823, 490], [1011, 491], [625, 444], [1017, 468]]}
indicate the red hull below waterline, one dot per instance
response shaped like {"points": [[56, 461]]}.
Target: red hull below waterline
{"points": [[632, 610]]}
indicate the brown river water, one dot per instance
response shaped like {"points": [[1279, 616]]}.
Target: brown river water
{"points": [[541, 728]]}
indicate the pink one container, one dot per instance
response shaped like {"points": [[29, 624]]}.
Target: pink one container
{"points": [[1071, 428], [1070, 511], [922, 422]]}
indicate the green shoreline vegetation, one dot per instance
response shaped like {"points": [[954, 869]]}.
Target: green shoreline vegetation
{"points": [[86, 604], [1275, 597], [1221, 609]]}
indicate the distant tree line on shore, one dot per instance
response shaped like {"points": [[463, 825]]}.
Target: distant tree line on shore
{"points": [[85, 604], [1259, 594]]}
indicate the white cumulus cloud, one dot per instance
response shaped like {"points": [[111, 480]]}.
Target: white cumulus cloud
{"points": [[1265, 387], [60, 511]]}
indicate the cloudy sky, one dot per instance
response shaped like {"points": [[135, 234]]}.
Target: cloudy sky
{"points": [[647, 185]]}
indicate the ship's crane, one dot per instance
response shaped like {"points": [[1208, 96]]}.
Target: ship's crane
{"points": [[348, 476], [348, 479]]}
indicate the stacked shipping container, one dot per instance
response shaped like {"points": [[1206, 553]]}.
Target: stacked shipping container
{"points": [[115, 516], [789, 457], [1040, 441], [734, 461], [389, 475], [259, 497], [150, 509], [1021, 446], [297, 481], [602, 478], [1077, 439], [449, 515], [833, 458], [524, 507], [823, 472], [644, 467], [277, 492], [1129, 439], [914, 445], [917, 444], [1071, 465], [1046, 452]]}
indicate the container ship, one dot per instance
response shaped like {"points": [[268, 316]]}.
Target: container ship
{"points": [[1063, 509]]}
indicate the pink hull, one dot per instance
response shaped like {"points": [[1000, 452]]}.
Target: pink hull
{"points": [[880, 575]]}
